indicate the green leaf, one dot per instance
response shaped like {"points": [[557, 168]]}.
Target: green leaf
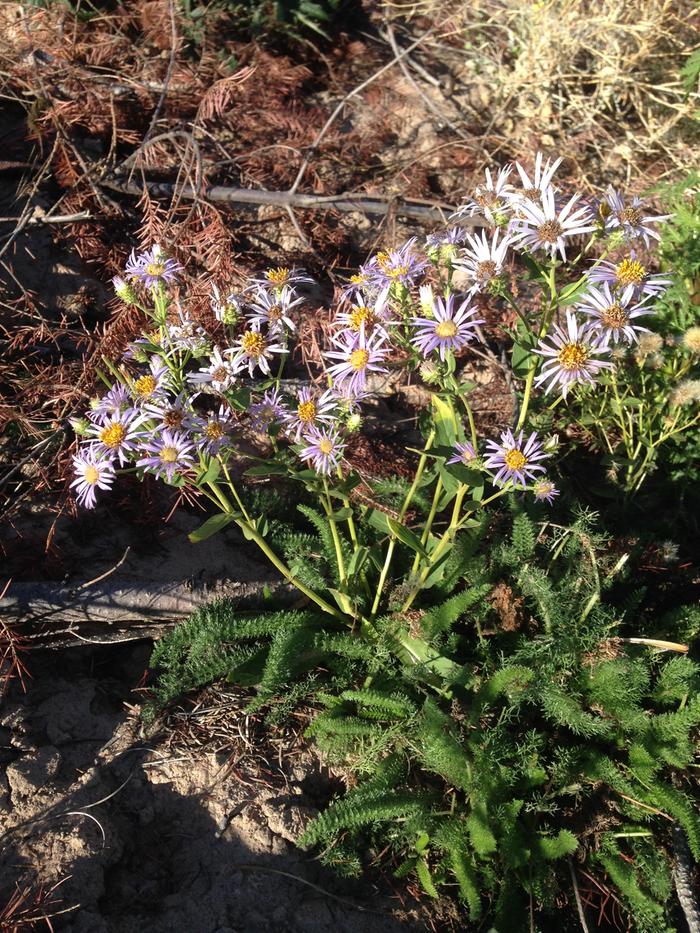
{"points": [[267, 469], [406, 536], [210, 474], [343, 601], [357, 561], [571, 294], [447, 428], [211, 526], [423, 872]]}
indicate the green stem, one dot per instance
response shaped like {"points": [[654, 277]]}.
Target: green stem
{"points": [[351, 522], [440, 549], [544, 326], [404, 508], [429, 523], [249, 529], [334, 532]]}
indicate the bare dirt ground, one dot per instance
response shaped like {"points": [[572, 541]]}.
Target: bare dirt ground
{"points": [[189, 828]]}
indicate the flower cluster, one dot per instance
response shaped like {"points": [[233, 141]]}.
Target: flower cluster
{"points": [[403, 309]]}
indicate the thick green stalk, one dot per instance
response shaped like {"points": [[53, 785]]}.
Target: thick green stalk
{"points": [[402, 514], [546, 320], [252, 532], [334, 532], [429, 523]]}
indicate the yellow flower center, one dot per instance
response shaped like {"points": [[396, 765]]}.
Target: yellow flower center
{"points": [[393, 272], [358, 279], [514, 459], [358, 359], [361, 315], [550, 231], [467, 456], [278, 276], [325, 446], [169, 454], [91, 475], [113, 435], [145, 386], [630, 272], [631, 215], [572, 356], [306, 412], [275, 313], [614, 317], [214, 430], [446, 329], [253, 343], [155, 268]]}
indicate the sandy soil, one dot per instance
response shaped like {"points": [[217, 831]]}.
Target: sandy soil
{"points": [[150, 834]]}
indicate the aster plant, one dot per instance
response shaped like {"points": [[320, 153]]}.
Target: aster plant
{"points": [[192, 407]]}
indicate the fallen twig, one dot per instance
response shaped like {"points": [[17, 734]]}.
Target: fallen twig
{"points": [[348, 201]]}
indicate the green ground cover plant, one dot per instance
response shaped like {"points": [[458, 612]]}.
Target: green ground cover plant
{"points": [[510, 705]]}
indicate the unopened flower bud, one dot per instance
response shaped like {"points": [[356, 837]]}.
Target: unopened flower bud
{"points": [[354, 422], [124, 290], [81, 426], [429, 373], [551, 443]]}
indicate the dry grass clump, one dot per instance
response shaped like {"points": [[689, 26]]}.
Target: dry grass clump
{"points": [[596, 80]]}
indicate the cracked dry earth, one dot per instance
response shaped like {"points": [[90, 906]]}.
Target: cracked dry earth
{"points": [[152, 835]]}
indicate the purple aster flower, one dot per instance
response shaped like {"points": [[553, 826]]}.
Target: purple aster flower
{"points": [[483, 261], [543, 226], [268, 410], [348, 400], [213, 430], [402, 265], [630, 217], [170, 451], [118, 435], [489, 200], [571, 355], [153, 384], [451, 237], [514, 459], [357, 354], [113, 402], [312, 411], [613, 313], [545, 490], [626, 272], [255, 349], [370, 314], [464, 454], [448, 331], [532, 188], [185, 334], [280, 276], [176, 414], [151, 267], [273, 308], [324, 449], [93, 471], [360, 282], [220, 374]]}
